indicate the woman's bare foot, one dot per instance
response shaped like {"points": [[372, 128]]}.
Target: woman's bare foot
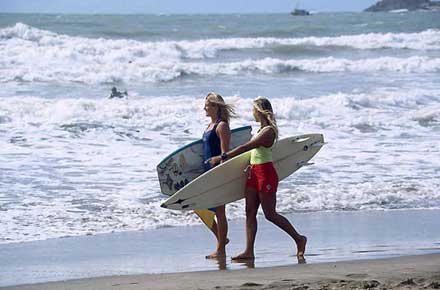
{"points": [[301, 260], [301, 246], [216, 256], [219, 254], [244, 256]]}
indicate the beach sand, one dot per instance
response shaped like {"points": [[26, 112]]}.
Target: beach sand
{"points": [[347, 246], [410, 272]]}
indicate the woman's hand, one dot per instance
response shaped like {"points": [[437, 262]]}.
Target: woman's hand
{"points": [[214, 160]]}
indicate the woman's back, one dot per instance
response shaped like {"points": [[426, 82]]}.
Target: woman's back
{"points": [[261, 155]]}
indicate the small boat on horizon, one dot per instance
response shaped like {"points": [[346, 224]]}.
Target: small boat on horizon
{"points": [[300, 12]]}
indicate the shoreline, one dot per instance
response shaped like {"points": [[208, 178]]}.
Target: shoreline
{"points": [[406, 272], [333, 237]]}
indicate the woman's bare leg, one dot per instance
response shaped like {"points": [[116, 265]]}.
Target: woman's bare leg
{"points": [[268, 203], [252, 205], [221, 233]]}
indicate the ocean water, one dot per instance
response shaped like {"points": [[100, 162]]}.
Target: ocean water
{"points": [[74, 163]]}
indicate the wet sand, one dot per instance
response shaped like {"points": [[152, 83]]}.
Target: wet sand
{"points": [[332, 237], [410, 272]]}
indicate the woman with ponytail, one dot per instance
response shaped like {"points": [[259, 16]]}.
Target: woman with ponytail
{"points": [[262, 182], [215, 142]]}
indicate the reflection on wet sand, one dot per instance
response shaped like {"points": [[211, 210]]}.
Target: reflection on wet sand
{"points": [[248, 263]]}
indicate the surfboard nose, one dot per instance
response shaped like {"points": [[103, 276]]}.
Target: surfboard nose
{"points": [[163, 205]]}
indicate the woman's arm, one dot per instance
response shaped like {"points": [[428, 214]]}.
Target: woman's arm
{"points": [[224, 134], [265, 138]]}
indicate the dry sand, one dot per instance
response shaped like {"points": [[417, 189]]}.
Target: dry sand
{"points": [[411, 272]]}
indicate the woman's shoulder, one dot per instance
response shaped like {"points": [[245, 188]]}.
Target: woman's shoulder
{"points": [[267, 136], [222, 126], [267, 130]]}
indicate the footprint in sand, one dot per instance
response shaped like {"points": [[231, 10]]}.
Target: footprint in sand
{"points": [[250, 284], [357, 276]]}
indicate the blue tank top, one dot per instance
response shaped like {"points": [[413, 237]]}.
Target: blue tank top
{"points": [[211, 145]]}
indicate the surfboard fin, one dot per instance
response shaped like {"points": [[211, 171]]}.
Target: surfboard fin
{"points": [[318, 144], [304, 163], [299, 140]]}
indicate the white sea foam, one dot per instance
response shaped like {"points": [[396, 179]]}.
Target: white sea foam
{"points": [[45, 71], [424, 40], [31, 54], [413, 64], [81, 166]]}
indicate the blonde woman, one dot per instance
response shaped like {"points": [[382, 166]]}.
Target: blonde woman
{"points": [[262, 183], [216, 142]]}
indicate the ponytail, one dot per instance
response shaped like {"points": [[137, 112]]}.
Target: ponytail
{"points": [[265, 107]]}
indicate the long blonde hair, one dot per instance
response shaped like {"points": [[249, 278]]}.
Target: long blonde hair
{"points": [[263, 106], [225, 111]]}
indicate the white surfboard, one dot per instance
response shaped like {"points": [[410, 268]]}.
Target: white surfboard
{"points": [[226, 182], [186, 163]]}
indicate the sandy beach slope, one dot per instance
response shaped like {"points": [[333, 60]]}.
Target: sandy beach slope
{"points": [[410, 272]]}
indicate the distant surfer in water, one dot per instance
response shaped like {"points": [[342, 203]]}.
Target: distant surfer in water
{"points": [[262, 182], [117, 94], [216, 142]]}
